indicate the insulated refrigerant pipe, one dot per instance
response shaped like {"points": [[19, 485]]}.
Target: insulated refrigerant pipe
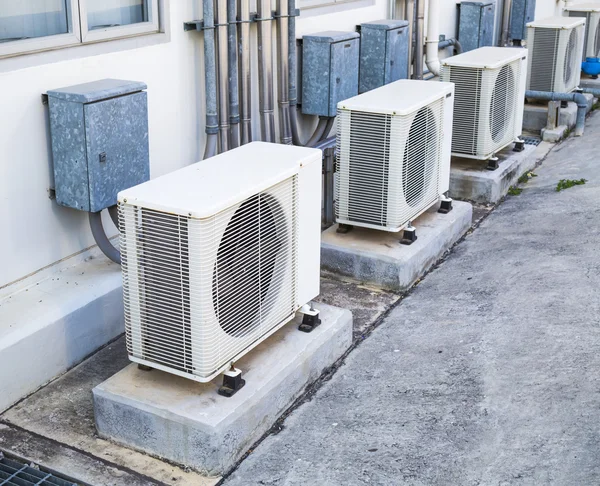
{"points": [[293, 72], [234, 103], [102, 240], [283, 72], [265, 70], [223, 75], [245, 76], [210, 79], [451, 42], [579, 98]]}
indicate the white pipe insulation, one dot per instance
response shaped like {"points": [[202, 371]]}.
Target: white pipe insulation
{"points": [[433, 38]]}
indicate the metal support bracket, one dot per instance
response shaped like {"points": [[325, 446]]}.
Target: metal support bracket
{"points": [[310, 319], [232, 382], [193, 25]]}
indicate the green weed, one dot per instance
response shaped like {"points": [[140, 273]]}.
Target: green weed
{"points": [[566, 183]]}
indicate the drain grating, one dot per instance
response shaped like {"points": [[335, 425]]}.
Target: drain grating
{"points": [[531, 140], [14, 472]]}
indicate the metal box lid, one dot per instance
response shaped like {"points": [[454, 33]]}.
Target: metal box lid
{"points": [[97, 90], [331, 36], [583, 7], [205, 188], [399, 98], [478, 4], [385, 24], [486, 57], [557, 22]]}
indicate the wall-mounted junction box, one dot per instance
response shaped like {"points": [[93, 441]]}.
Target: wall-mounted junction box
{"points": [[329, 71], [383, 53], [476, 24], [521, 13], [99, 135]]}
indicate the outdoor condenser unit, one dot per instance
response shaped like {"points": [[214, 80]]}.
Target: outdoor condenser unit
{"points": [[591, 13], [393, 153], [489, 99], [219, 255], [555, 49]]}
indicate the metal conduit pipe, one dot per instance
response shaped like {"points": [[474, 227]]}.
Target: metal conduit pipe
{"points": [[265, 71], [210, 79], [223, 75], [505, 22], [419, 39], [392, 9], [293, 72], [102, 240], [283, 73], [245, 76], [234, 103], [578, 98], [410, 17]]}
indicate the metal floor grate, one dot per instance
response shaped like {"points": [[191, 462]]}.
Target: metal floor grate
{"points": [[531, 140], [16, 473]]}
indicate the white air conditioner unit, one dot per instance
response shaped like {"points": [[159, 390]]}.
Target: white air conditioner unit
{"points": [[393, 153], [219, 255], [489, 99], [555, 49], [591, 13]]}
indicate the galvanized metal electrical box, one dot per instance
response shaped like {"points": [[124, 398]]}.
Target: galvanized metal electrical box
{"points": [[99, 135], [522, 12], [476, 24], [329, 71], [383, 53]]}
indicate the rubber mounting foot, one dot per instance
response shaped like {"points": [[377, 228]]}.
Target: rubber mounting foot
{"points": [[409, 236], [144, 367], [519, 146], [310, 322], [445, 206], [232, 383], [344, 228], [493, 164]]}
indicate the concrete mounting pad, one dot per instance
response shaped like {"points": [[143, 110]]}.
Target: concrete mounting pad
{"points": [[378, 257], [471, 181], [189, 423], [535, 115], [54, 319]]}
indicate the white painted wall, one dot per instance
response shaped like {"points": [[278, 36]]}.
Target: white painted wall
{"points": [[36, 232]]}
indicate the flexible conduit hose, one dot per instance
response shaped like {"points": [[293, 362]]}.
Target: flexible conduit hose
{"points": [[319, 131], [210, 79], [101, 239]]}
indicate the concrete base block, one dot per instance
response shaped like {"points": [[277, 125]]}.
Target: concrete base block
{"points": [[554, 135], [190, 424], [378, 258], [51, 323], [471, 181], [589, 82]]}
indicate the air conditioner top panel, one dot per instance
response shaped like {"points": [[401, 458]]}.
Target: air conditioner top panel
{"points": [[583, 7], [557, 22], [486, 57], [399, 98], [205, 188]]}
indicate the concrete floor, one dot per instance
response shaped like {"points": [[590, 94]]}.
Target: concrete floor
{"points": [[487, 373]]}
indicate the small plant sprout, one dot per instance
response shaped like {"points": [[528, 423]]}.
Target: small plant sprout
{"points": [[566, 183]]}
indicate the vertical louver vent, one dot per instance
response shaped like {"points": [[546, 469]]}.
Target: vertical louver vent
{"points": [[485, 107], [199, 291], [591, 39], [388, 165]]}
